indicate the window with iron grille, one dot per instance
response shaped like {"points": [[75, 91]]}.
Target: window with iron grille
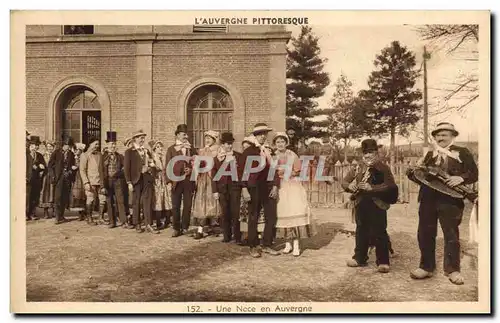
{"points": [[209, 108], [78, 29], [81, 116]]}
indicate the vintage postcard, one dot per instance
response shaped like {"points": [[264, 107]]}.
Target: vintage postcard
{"points": [[250, 162]]}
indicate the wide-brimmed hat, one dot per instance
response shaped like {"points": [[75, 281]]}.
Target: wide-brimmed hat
{"points": [[260, 128], [444, 126], [181, 128], [67, 140], [281, 135], [127, 142], [93, 140], [369, 145], [212, 133], [49, 143], [155, 143], [111, 136], [80, 146], [227, 137], [138, 133], [35, 140]]}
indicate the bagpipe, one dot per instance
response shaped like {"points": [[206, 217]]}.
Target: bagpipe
{"points": [[435, 178]]}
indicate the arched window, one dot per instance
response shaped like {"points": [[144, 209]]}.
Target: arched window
{"points": [[209, 108], [81, 115]]}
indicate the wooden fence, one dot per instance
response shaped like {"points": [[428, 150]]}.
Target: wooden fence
{"points": [[323, 194]]}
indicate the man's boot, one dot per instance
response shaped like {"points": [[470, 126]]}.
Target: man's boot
{"points": [[90, 211], [46, 213], [101, 214]]}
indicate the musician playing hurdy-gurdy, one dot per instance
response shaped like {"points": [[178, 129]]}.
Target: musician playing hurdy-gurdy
{"points": [[373, 190], [459, 168]]}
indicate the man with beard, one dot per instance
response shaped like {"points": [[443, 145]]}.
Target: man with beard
{"points": [[114, 182], [374, 189], [62, 171], [459, 163], [182, 190], [138, 165], [261, 189], [35, 169], [92, 173]]}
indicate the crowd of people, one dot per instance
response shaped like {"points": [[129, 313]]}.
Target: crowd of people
{"points": [[147, 188], [135, 190]]}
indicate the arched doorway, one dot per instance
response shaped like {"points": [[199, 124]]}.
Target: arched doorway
{"points": [[79, 114], [209, 107]]}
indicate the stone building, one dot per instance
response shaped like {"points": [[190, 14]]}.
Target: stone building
{"points": [[86, 80]]}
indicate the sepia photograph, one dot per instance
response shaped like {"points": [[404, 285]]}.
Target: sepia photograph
{"points": [[251, 162]]}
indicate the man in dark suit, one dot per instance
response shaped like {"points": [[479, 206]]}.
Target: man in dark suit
{"points": [[62, 171], [35, 169], [261, 189], [459, 163], [138, 164], [114, 182], [373, 187], [226, 186], [182, 190]]}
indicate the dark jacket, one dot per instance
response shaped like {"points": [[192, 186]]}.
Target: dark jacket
{"points": [[119, 162], [41, 167], [217, 185], [178, 166], [467, 170], [58, 168], [381, 180], [133, 165], [261, 176]]}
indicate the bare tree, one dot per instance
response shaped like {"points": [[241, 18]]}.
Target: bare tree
{"points": [[459, 41]]}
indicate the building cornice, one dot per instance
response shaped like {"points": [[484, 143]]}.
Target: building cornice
{"points": [[158, 37]]}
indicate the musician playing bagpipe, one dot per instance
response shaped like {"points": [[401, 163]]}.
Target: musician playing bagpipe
{"points": [[443, 175], [373, 191]]}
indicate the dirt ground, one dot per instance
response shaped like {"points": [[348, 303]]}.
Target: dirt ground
{"points": [[77, 262]]}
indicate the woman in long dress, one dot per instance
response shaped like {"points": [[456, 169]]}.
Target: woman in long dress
{"points": [[244, 206], [293, 207], [206, 209], [78, 198], [47, 194], [162, 197]]}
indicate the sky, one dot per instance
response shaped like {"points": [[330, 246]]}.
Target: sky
{"points": [[351, 50]]}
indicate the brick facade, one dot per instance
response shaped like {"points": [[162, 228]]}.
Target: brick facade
{"points": [[143, 75]]}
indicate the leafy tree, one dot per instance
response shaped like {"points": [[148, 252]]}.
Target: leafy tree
{"points": [[391, 93], [344, 115], [306, 81]]}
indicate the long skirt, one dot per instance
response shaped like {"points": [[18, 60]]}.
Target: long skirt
{"points": [[162, 197], [294, 212], [205, 205], [77, 198], [47, 193]]}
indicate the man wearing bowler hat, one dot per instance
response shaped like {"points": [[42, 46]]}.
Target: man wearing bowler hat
{"points": [[62, 170], [35, 170], [261, 189], [182, 190], [140, 181], [92, 173], [373, 190], [114, 182], [227, 188], [459, 163]]}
